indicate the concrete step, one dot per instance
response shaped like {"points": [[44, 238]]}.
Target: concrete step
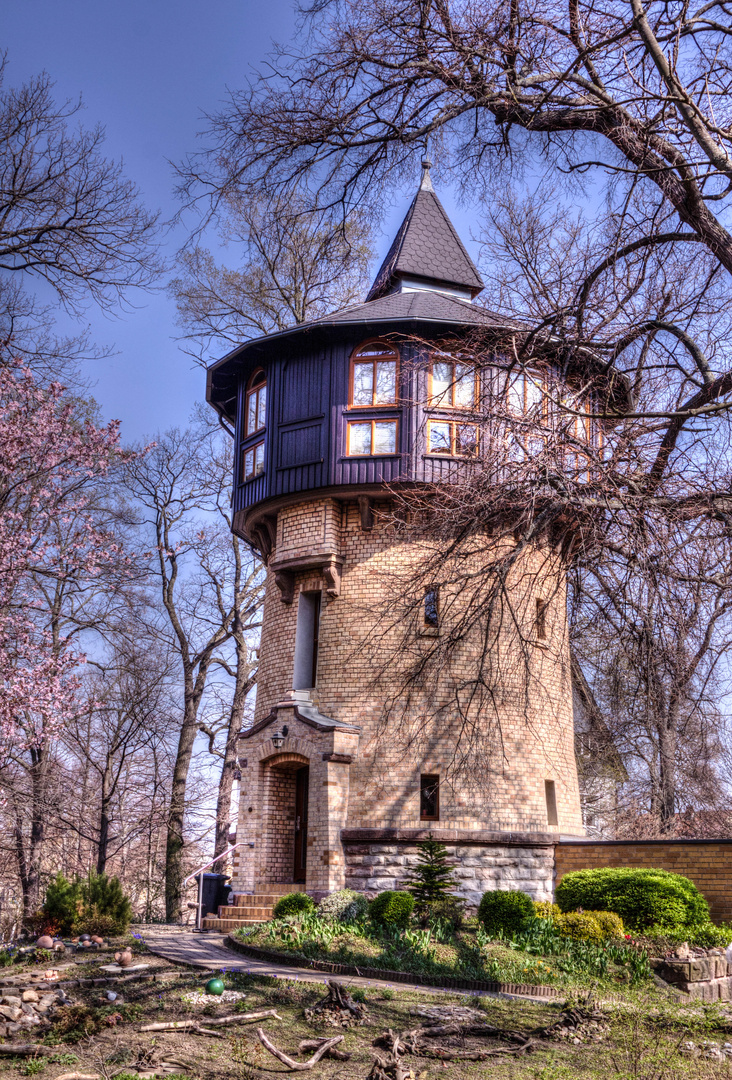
{"points": [[225, 926], [260, 912]]}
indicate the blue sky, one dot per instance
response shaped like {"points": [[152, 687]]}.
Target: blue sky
{"points": [[147, 71]]}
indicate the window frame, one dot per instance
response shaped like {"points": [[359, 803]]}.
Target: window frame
{"points": [[422, 785], [453, 425], [533, 376], [252, 449], [251, 391], [431, 592], [373, 420], [447, 358], [357, 358]]}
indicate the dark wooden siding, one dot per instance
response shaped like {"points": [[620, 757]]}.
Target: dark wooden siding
{"points": [[307, 416]]}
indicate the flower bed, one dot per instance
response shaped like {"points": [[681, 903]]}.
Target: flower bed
{"points": [[535, 957]]}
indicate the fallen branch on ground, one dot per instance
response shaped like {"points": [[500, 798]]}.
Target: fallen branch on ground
{"points": [[298, 1066], [79, 1076], [25, 1049], [315, 1044], [194, 1025]]}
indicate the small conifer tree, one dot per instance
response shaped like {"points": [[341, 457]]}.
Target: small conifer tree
{"points": [[431, 880]]}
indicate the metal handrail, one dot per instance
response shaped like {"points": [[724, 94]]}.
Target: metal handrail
{"points": [[200, 871]]}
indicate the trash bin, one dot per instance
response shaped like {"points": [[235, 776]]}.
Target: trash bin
{"points": [[214, 892]]}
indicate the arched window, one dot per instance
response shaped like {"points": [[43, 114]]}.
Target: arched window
{"points": [[452, 383], [374, 375], [256, 403]]}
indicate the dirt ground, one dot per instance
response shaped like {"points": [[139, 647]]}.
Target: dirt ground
{"points": [[647, 1037]]}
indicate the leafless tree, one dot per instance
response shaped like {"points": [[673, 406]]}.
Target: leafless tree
{"points": [[204, 593], [295, 264], [67, 213]]}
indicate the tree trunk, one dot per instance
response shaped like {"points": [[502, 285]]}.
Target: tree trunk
{"points": [[103, 844], [244, 683], [176, 811]]}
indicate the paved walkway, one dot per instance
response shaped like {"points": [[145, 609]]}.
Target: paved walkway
{"points": [[207, 950]]}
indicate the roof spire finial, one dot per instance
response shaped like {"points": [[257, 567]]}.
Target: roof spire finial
{"points": [[426, 184]]}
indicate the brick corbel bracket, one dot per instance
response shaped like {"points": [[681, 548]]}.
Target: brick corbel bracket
{"points": [[328, 562]]}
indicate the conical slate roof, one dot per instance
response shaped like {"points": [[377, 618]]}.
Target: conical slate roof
{"points": [[427, 249]]}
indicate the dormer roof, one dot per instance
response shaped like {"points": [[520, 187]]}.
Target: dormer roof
{"points": [[427, 252]]}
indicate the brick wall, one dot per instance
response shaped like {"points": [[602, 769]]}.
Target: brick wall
{"points": [[526, 728], [708, 863]]}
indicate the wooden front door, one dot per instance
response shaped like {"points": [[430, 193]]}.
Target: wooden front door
{"points": [[301, 822]]}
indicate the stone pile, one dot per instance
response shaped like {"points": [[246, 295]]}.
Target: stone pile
{"points": [[23, 1010]]}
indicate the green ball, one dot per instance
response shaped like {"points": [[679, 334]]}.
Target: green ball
{"points": [[215, 986]]}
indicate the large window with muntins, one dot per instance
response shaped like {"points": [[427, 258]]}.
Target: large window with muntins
{"points": [[452, 383], [256, 404], [374, 374], [372, 437], [451, 437]]}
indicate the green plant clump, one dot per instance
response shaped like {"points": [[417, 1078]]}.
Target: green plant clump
{"points": [[642, 898], [580, 926], [344, 905], [545, 909], [391, 908], [450, 912], [610, 923], [95, 904], [294, 903], [509, 912]]}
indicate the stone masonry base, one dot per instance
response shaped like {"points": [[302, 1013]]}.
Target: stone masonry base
{"points": [[373, 867]]}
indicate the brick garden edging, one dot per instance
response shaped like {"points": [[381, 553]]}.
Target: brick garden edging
{"points": [[444, 982]]}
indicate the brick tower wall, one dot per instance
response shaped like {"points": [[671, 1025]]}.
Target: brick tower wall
{"points": [[535, 714]]}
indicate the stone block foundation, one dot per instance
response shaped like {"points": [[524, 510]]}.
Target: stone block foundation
{"points": [[373, 865]]}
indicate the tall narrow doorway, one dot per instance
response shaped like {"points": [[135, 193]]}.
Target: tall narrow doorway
{"points": [[302, 777]]}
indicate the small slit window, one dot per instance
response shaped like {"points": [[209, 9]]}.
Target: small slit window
{"points": [[452, 438], [551, 802], [253, 464], [372, 438], [452, 384], [432, 607], [374, 372], [256, 404], [307, 636], [540, 622], [429, 797]]}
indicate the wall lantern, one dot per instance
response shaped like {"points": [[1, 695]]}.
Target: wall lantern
{"points": [[278, 739]]}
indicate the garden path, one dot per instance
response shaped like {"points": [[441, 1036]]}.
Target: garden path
{"points": [[208, 950]]}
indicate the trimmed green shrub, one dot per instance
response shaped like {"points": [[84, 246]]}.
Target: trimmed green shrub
{"points": [[344, 905], [293, 903], [94, 904], [509, 911], [610, 923], [545, 909], [705, 936], [392, 908], [580, 926], [642, 898]]}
